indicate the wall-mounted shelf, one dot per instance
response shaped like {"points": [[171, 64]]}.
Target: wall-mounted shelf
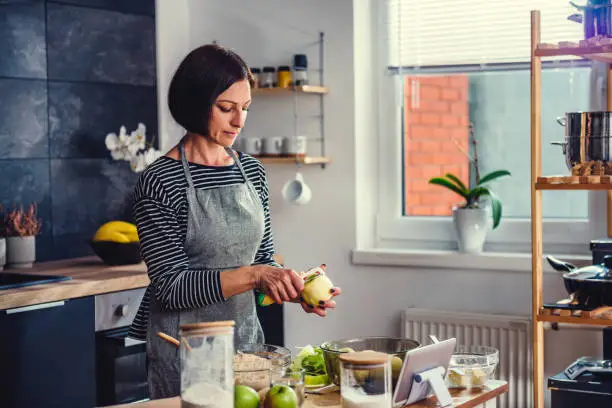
{"points": [[305, 89], [290, 160]]}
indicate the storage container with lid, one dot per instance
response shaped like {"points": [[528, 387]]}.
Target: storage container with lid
{"points": [[284, 76], [300, 68], [365, 379], [256, 76], [206, 357], [268, 77]]}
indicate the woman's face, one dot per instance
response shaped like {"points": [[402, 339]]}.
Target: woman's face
{"points": [[229, 112]]}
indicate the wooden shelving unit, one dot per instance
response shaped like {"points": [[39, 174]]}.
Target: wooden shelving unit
{"points": [[289, 160], [540, 183]]}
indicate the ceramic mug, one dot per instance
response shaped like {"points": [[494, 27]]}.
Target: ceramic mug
{"points": [[272, 146], [294, 146], [251, 145], [296, 191]]}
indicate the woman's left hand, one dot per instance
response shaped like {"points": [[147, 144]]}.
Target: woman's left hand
{"points": [[321, 310]]}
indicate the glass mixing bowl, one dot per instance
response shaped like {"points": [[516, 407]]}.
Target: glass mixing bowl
{"points": [[471, 366]]}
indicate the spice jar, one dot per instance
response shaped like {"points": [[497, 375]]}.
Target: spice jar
{"points": [[268, 77], [365, 379], [206, 356], [300, 67], [256, 77], [284, 76]]}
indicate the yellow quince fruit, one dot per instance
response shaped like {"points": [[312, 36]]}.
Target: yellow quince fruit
{"points": [[117, 231]]}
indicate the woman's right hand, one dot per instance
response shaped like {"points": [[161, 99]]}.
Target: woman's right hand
{"points": [[281, 284]]}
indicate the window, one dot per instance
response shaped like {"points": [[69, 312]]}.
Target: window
{"points": [[454, 69]]}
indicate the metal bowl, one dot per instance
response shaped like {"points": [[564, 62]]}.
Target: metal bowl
{"points": [[395, 346]]}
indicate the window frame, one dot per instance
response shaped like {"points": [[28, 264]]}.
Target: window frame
{"points": [[392, 230]]}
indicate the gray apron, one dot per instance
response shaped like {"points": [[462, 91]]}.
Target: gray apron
{"points": [[224, 231]]}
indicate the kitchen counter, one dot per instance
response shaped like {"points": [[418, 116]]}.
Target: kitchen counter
{"points": [[461, 399], [89, 277]]}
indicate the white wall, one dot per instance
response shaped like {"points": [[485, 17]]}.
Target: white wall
{"points": [[172, 40], [325, 231]]}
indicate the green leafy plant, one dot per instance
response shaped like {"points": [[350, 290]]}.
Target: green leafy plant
{"points": [[473, 194]]}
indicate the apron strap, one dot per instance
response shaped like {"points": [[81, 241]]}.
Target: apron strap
{"points": [[185, 165], [231, 153]]}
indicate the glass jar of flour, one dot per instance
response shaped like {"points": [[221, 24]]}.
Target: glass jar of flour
{"points": [[207, 374], [365, 379]]}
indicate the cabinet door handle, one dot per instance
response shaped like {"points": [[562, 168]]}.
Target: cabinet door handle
{"points": [[35, 307]]}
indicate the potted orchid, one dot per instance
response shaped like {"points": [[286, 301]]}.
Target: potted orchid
{"points": [[132, 148], [470, 218]]}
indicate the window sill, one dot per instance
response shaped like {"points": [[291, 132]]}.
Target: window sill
{"points": [[438, 259]]}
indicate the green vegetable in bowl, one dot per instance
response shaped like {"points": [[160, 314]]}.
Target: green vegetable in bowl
{"points": [[311, 360]]}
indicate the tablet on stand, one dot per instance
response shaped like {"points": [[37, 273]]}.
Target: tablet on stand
{"points": [[423, 374]]}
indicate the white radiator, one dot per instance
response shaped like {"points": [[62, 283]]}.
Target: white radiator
{"points": [[511, 335]]}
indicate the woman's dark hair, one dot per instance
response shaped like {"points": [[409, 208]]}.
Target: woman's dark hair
{"points": [[206, 72]]}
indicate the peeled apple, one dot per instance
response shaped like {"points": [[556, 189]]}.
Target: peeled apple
{"points": [[117, 231], [317, 288]]}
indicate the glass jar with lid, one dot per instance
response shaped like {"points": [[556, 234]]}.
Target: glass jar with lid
{"points": [[206, 356], [268, 77], [365, 379]]}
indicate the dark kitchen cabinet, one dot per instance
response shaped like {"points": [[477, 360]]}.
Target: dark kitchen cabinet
{"points": [[272, 322], [47, 355]]}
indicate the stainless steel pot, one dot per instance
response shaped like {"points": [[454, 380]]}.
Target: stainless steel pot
{"points": [[587, 137]]}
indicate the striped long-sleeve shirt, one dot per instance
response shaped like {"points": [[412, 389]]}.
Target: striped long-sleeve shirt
{"points": [[160, 211]]}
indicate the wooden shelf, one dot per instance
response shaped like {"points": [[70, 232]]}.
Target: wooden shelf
{"points": [[601, 53], [574, 183], [292, 160], [306, 89], [543, 316]]}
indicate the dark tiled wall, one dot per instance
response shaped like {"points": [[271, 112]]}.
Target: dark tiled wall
{"points": [[72, 71]]}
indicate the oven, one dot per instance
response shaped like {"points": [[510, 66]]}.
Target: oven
{"points": [[121, 363]]}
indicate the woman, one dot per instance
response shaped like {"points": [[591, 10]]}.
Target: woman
{"points": [[202, 212]]}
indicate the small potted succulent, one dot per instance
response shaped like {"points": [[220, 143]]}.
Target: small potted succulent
{"points": [[22, 227], [470, 217]]}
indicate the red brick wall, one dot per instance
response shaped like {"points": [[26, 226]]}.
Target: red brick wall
{"points": [[439, 115]]}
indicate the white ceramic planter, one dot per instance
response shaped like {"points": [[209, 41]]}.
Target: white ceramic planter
{"points": [[20, 252], [471, 225], [2, 253]]}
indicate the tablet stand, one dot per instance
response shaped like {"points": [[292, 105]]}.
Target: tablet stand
{"points": [[431, 379]]}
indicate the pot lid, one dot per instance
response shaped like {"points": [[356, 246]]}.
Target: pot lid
{"points": [[600, 272]]}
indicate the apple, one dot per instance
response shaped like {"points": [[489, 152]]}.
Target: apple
{"points": [[245, 397], [281, 396]]}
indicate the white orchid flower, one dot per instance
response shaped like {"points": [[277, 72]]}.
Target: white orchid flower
{"points": [[151, 155], [122, 135], [138, 163], [111, 141], [118, 154]]}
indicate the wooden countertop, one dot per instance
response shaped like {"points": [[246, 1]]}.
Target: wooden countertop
{"points": [[462, 398], [89, 277]]}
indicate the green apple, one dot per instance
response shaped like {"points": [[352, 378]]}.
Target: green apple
{"points": [[281, 396], [245, 397]]}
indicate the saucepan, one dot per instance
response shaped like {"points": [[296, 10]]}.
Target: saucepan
{"points": [[588, 137], [592, 284]]}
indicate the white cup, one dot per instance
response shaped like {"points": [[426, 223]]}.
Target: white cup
{"points": [[294, 146], [272, 146], [296, 191], [251, 145]]}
